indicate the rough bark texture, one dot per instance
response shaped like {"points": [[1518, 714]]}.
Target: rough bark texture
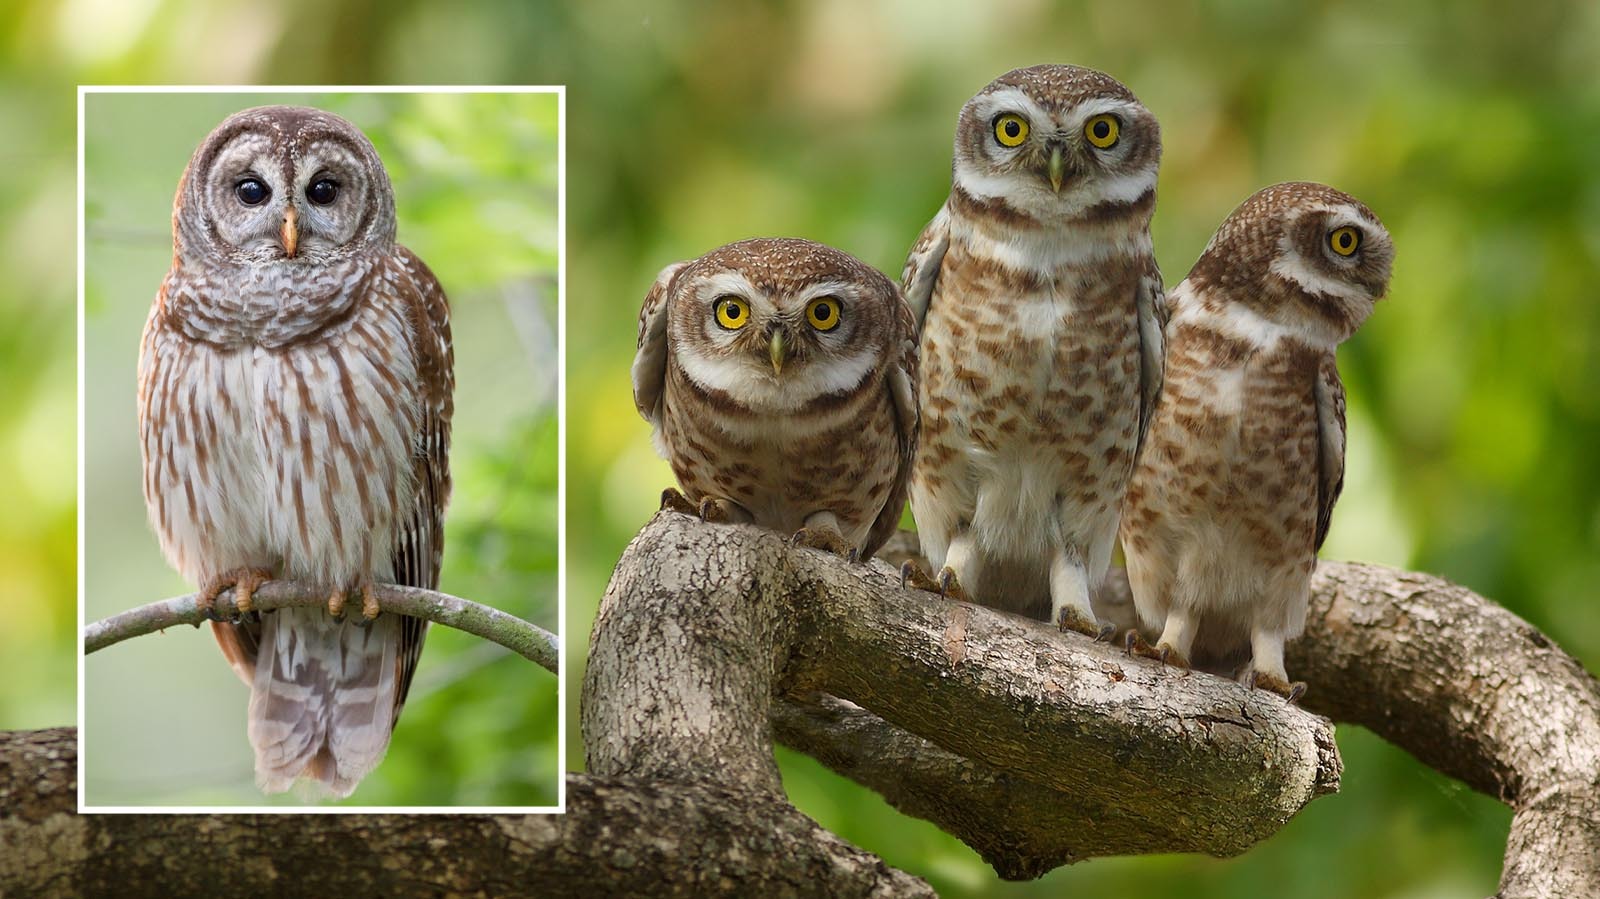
{"points": [[1034, 747], [620, 836]]}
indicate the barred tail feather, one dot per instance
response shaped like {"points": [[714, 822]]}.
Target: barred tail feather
{"points": [[323, 702]]}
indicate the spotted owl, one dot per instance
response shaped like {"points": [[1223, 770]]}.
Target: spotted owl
{"points": [[1040, 307], [1245, 458], [779, 378], [295, 395]]}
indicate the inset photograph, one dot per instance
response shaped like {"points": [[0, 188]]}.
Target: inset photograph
{"points": [[320, 485]]}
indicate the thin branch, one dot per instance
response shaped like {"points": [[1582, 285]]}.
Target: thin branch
{"points": [[530, 641]]}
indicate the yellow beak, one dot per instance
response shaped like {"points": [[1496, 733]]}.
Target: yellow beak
{"points": [[1057, 167], [777, 351], [290, 232]]}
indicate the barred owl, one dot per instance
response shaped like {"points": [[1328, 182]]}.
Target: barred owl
{"points": [[1234, 493], [295, 396], [779, 376], [1040, 306]]}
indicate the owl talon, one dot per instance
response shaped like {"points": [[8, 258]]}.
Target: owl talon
{"points": [[1135, 645], [950, 587], [369, 603], [1274, 684], [336, 601], [673, 501], [1170, 656], [823, 539], [712, 511], [243, 581], [1107, 631], [1073, 620]]}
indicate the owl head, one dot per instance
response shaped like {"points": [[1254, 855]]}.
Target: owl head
{"points": [[1055, 141], [1302, 255], [283, 185], [776, 323]]}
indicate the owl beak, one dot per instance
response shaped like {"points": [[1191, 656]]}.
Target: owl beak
{"points": [[1058, 167], [777, 350], [290, 232]]}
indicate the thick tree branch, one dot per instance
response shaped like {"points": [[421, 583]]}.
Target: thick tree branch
{"points": [[530, 641], [620, 836]]}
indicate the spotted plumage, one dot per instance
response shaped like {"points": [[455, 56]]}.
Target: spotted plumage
{"points": [[295, 395], [779, 376], [1245, 458], [1040, 306]]}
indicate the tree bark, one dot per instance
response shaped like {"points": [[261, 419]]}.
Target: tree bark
{"points": [[1034, 747]]}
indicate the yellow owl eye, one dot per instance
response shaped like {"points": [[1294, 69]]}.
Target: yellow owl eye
{"points": [[732, 313], [823, 314], [1344, 241], [1010, 130], [1102, 130]]}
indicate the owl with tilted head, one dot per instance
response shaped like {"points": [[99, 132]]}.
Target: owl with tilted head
{"points": [[1245, 458], [295, 395], [779, 378], [1040, 307]]}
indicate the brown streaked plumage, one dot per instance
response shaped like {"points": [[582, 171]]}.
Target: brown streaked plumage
{"points": [[802, 425], [295, 396], [1040, 305], [1245, 457]]}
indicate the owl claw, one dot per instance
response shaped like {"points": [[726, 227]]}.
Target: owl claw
{"points": [[1107, 631], [244, 581], [824, 539], [369, 603], [1274, 684], [950, 587], [673, 501], [1134, 645], [1073, 620], [1170, 656], [713, 512], [336, 604], [912, 574]]}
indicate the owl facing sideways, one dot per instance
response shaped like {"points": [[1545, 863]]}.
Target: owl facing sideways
{"points": [[1040, 306], [295, 396], [779, 378], [1245, 457]]}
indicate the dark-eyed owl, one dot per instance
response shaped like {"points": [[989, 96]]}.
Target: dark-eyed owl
{"points": [[779, 376], [1040, 308], [295, 384], [1245, 457]]}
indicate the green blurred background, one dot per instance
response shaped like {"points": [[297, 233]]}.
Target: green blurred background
{"points": [[476, 185], [1474, 390]]}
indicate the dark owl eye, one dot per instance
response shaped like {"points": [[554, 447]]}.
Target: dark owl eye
{"points": [[1102, 131], [1345, 240], [323, 191], [251, 192], [1010, 130]]}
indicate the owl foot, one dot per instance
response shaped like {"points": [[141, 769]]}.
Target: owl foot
{"points": [[1107, 631], [912, 575], [1073, 620], [715, 511], [244, 581], [1273, 683], [369, 601], [673, 501], [1135, 645], [827, 539], [949, 587], [1170, 656]]}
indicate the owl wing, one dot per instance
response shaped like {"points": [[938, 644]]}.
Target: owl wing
{"points": [[650, 359], [922, 266], [1153, 314], [901, 383], [1329, 392], [419, 545]]}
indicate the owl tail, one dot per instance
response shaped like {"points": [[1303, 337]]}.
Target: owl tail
{"points": [[323, 702]]}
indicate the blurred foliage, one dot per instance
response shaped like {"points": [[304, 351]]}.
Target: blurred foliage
{"points": [[475, 182], [1474, 390]]}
